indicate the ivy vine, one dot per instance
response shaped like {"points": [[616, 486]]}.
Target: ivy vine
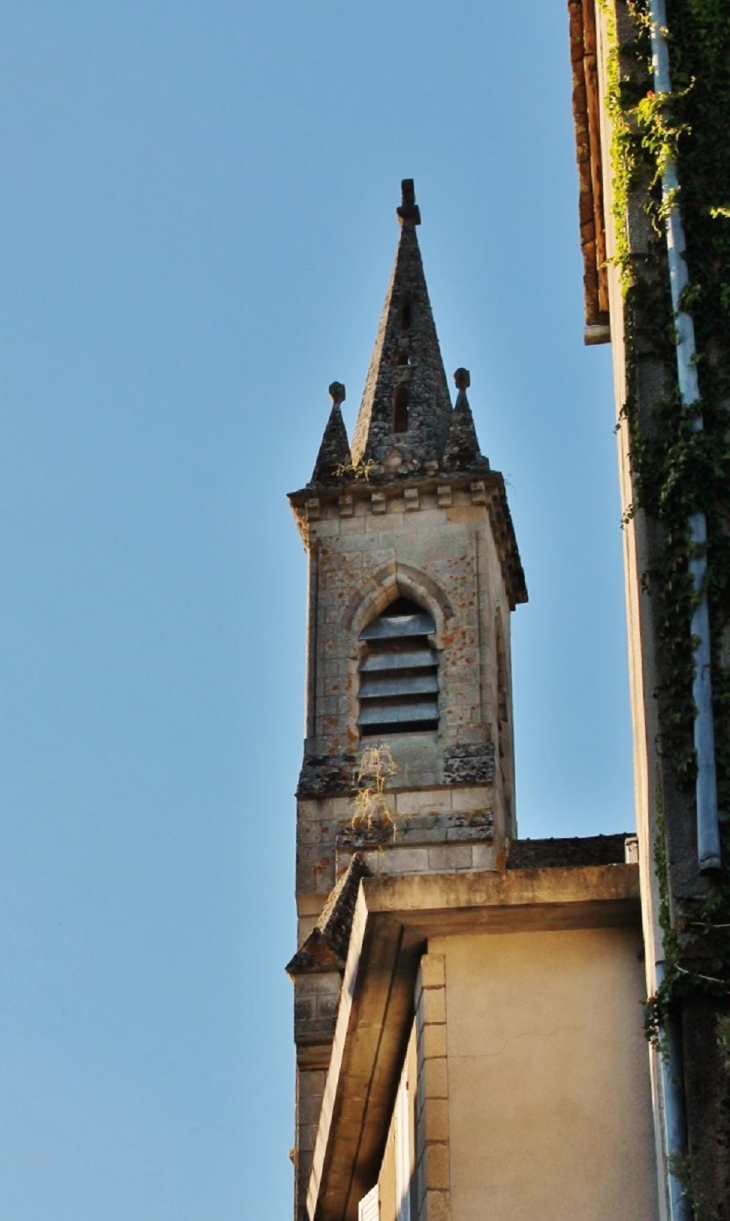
{"points": [[677, 470]]}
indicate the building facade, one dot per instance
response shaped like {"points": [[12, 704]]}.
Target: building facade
{"points": [[651, 100], [467, 1005]]}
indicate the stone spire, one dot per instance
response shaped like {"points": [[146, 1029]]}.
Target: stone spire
{"points": [[405, 414], [334, 457], [462, 448]]}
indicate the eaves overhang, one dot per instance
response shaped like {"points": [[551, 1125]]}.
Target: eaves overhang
{"points": [[587, 125], [393, 919]]}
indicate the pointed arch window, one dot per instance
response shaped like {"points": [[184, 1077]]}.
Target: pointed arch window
{"points": [[399, 672]]}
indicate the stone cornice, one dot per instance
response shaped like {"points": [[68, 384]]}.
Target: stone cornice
{"points": [[442, 490]]}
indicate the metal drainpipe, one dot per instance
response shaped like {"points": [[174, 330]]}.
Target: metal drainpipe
{"points": [[675, 1133], [708, 831], [675, 1130]]}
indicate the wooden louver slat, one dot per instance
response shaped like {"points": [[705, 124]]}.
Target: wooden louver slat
{"points": [[413, 658]]}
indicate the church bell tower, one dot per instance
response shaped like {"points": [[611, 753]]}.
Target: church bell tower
{"points": [[413, 572]]}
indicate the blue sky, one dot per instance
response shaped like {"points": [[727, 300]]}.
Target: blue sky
{"points": [[197, 231]]}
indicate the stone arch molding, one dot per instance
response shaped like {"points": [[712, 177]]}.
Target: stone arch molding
{"points": [[393, 581]]}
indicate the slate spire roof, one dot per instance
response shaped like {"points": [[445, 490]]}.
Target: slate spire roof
{"points": [[406, 407], [406, 426]]}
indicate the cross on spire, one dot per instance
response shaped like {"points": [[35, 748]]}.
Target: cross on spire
{"points": [[409, 212]]}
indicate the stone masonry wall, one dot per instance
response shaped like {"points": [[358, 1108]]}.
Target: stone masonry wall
{"points": [[433, 1155], [362, 562], [436, 546]]}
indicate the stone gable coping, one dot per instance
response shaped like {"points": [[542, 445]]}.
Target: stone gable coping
{"points": [[325, 949]]}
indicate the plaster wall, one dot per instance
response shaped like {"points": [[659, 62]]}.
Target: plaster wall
{"points": [[549, 1094]]}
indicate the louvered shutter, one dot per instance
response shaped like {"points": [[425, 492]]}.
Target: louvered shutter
{"points": [[369, 1207], [399, 673]]}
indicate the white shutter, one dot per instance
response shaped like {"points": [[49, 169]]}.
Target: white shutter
{"points": [[369, 1207]]}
